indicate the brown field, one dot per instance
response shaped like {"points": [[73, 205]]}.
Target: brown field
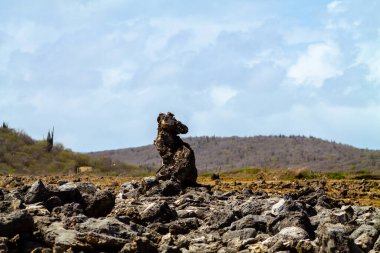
{"points": [[350, 192]]}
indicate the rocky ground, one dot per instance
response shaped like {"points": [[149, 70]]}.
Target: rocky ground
{"points": [[58, 214]]}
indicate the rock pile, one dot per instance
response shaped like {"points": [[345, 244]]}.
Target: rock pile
{"points": [[77, 216]]}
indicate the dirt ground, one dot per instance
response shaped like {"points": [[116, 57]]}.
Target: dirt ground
{"points": [[350, 192]]}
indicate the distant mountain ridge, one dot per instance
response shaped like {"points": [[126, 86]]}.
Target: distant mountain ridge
{"points": [[275, 152]]}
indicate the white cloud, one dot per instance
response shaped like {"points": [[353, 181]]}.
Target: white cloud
{"points": [[369, 55], [320, 62], [112, 77], [220, 95], [335, 7]]}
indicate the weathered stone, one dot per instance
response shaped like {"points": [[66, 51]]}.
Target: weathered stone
{"points": [[259, 222], [101, 204], [334, 238], [286, 205], [221, 218], [140, 245], [68, 210], [37, 193], [204, 247], [183, 226], [364, 237], [241, 234], [158, 211], [178, 160], [292, 219], [306, 246], [376, 246], [107, 226], [17, 222], [52, 202]]}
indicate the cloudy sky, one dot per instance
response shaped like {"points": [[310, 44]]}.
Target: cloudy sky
{"points": [[100, 71]]}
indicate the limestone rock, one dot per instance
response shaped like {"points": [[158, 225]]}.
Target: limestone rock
{"points": [[178, 160], [17, 222]]}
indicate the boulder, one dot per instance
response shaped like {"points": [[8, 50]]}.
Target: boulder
{"points": [[37, 193], [17, 222], [335, 238], [100, 204], [365, 237]]}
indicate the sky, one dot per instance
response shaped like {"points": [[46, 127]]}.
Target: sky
{"points": [[101, 71]]}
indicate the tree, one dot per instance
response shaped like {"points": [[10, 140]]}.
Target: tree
{"points": [[5, 125]]}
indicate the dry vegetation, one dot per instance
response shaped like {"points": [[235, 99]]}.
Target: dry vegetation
{"points": [[214, 154], [20, 154]]}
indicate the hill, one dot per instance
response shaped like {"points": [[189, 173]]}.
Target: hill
{"points": [[20, 154], [274, 152]]}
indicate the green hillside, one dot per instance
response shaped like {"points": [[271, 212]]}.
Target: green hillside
{"points": [[20, 154]]}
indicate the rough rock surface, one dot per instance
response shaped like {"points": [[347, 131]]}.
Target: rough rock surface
{"points": [[191, 219], [178, 160]]}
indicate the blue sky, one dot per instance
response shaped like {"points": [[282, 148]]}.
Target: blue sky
{"points": [[100, 71]]}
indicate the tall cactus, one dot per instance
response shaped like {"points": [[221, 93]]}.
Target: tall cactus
{"points": [[50, 141]]}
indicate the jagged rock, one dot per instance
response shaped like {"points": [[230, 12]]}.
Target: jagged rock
{"points": [[139, 245], [334, 238], [190, 219], [63, 240], [3, 244], [170, 188], [242, 234], [259, 222], [252, 206], [158, 211], [364, 237], [68, 210], [183, 226], [163, 188], [292, 219], [221, 219], [286, 205], [17, 222], [100, 204], [108, 226], [37, 193], [295, 233], [376, 246], [178, 160], [204, 247], [52, 202], [306, 246]]}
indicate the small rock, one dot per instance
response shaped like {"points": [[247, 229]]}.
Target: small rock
{"points": [[242, 234], [158, 211]]}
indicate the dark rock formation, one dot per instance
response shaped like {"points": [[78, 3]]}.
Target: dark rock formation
{"points": [[178, 160]]}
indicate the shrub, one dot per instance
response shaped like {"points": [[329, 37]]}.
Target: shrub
{"points": [[335, 175], [215, 176]]}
